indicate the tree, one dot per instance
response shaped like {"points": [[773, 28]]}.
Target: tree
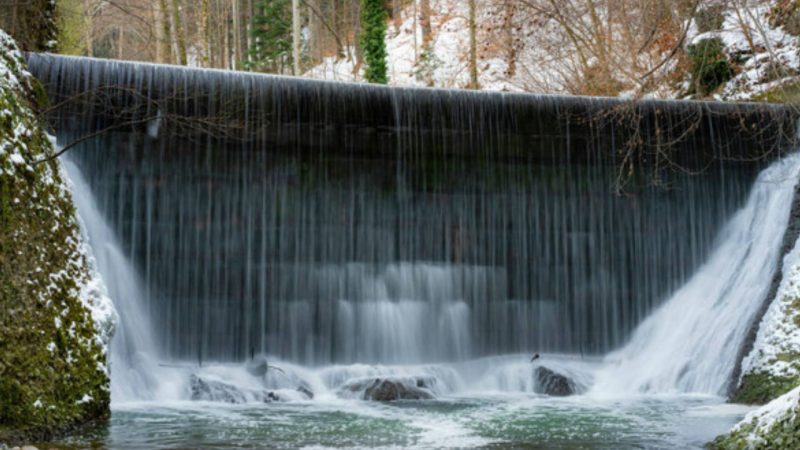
{"points": [[271, 37], [373, 23], [165, 37], [295, 38]]}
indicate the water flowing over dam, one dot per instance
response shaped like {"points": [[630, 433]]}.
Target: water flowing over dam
{"points": [[331, 223]]}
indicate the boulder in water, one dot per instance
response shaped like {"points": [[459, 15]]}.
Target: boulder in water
{"points": [[390, 389], [306, 391], [553, 383], [203, 389], [215, 391], [257, 366]]}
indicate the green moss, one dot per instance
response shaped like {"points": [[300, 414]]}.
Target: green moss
{"points": [[52, 375], [760, 388]]}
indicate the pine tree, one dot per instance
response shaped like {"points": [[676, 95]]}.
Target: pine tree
{"points": [[271, 37], [373, 25]]}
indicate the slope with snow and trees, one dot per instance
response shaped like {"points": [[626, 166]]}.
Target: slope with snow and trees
{"points": [[721, 49]]}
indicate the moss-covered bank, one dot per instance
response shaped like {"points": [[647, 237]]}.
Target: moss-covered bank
{"points": [[775, 426], [53, 372]]}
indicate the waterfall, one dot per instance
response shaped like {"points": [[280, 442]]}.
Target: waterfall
{"points": [[690, 344], [332, 224], [134, 352]]}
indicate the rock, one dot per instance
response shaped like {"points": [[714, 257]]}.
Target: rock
{"points": [[553, 383], [306, 391], [203, 389], [258, 366], [390, 389], [215, 391], [29, 447]]}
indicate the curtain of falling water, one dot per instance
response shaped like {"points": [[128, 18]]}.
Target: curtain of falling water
{"points": [[338, 261], [320, 243]]}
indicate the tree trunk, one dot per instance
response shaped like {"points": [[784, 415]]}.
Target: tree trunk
{"points": [[227, 48], [205, 37], [120, 42], [511, 46], [425, 22], [179, 34], [237, 34], [473, 48], [416, 21], [165, 38], [296, 37], [87, 4], [397, 10], [356, 21]]}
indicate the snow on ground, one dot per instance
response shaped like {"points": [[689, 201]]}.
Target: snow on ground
{"points": [[779, 332], [776, 54]]}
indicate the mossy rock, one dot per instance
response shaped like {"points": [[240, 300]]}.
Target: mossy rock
{"points": [[52, 364], [760, 388]]}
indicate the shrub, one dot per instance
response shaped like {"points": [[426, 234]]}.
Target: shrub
{"points": [[710, 67]]}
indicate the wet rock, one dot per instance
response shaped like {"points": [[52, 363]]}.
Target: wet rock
{"points": [[257, 366], [306, 391], [553, 383], [215, 391], [391, 389], [203, 389]]}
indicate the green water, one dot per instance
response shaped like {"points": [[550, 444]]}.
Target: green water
{"points": [[478, 421]]}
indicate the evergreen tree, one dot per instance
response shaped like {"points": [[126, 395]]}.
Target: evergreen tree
{"points": [[373, 24], [271, 49]]}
